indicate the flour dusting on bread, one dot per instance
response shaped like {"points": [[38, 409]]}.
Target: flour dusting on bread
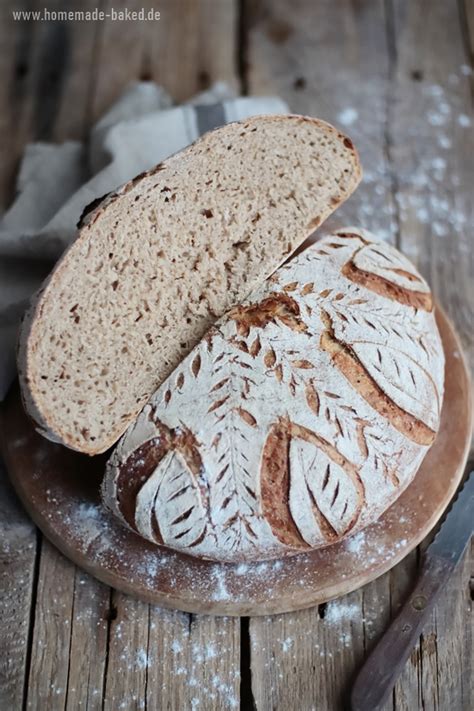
{"points": [[299, 418]]}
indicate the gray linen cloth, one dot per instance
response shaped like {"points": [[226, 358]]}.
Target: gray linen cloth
{"points": [[56, 182]]}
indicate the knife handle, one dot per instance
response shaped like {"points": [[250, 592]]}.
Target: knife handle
{"points": [[384, 664]]}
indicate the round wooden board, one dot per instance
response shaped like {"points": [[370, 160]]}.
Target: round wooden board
{"points": [[60, 490]]}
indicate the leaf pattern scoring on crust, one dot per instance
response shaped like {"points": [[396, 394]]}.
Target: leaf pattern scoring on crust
{"points": [[299, 418]]}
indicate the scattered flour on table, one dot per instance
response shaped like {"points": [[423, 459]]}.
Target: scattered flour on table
{"points": [[176, 646], [348, 116], [142, 660], [356, 543], [428, 174], [89, 522], [464, 120], [219, 578], [340, 611]]}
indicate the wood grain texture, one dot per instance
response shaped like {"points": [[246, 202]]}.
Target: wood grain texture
{"points": [[88, 643], [381, 669], [47, 683], [190, 47], [163, 659], [48, 71], [194, 661], [17, 585], [69, 636]]}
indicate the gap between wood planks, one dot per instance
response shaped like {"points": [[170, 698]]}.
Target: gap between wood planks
{"points": [[391, 43], [31, 627], [111, 616]]}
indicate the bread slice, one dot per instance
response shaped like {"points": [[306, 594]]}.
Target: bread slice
{"points": [[161, 259]]}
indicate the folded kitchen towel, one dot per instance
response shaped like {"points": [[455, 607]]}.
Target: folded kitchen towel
{"points": [[56, 182]]}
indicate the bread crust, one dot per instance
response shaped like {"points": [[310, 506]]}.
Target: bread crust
{"points": [[299, 419], [31, 330]]}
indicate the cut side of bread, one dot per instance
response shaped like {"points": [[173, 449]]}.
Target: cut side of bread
{"points": [[157, 262], [301, 416]]}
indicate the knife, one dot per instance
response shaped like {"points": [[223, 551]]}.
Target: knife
{"points": [[384, 664]]}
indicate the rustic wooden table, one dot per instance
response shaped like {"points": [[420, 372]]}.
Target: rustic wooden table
{"points": [[396, 75]]}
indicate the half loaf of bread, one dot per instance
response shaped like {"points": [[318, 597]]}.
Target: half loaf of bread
{"points": [[301, 416], [158, 261]]}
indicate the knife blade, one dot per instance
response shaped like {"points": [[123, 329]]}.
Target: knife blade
{"points": [[384, 664], [457, 528]]}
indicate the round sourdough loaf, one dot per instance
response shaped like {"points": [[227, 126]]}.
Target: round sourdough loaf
{"points": [[299, 418], [156, 263]]}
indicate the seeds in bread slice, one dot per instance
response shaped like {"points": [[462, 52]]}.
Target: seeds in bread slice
{"points": [[157, 262]]}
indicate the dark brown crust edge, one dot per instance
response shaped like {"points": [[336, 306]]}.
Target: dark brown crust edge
{"points": [[363, 383], [383, 287]]}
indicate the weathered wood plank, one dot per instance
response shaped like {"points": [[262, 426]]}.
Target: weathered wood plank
{"points": [[16, 41], [88, 646], [306, 656], [162, 659], [47, 69], [453, 630], [127, 660], [197, 46], [431, 148], [194, 662], [17, 582], [467, 26], [68, 650], [407, 689], [439, 672], [188, 48], [47, 682]]}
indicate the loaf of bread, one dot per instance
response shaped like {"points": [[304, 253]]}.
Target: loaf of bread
{"points": [[157, 262], [299, 418]]}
